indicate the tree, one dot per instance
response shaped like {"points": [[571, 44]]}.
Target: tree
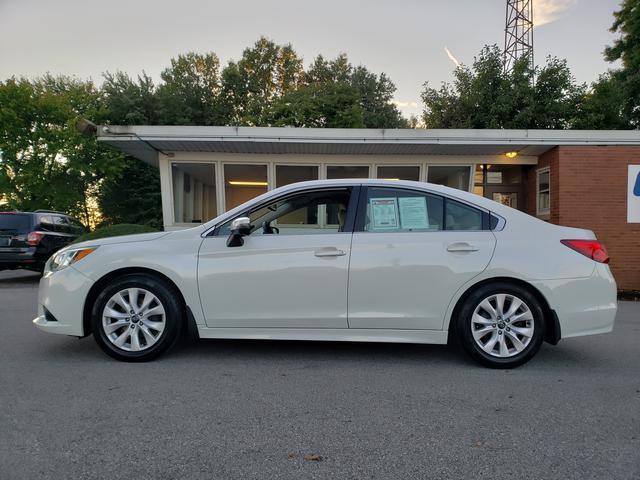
{"points": [[132, 196], [321, 105], [484, 96], [190, 92], [45, 162], [265, 72], [128, 102], [627, 49], [374, 92]]}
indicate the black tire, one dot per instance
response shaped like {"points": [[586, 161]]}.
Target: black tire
{"points": [[463, 327], [166, 295]]}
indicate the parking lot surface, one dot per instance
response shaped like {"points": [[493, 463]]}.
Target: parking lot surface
{"points": [[251, 409]]}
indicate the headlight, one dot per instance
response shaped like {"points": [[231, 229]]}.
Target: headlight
{"points": [[67, 257]]}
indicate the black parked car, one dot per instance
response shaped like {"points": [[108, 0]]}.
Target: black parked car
{"points": [[28, 239]]}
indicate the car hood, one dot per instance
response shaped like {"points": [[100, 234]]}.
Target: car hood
{"points": [[139, 237]]}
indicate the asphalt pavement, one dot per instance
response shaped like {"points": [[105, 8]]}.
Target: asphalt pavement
{"points": [[294, 410]]}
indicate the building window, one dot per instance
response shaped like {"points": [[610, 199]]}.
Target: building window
{"points": [[399, 173], [544, 192], [243, 182], [194, 192], [454, 176], [286, 174], [339, 171]]}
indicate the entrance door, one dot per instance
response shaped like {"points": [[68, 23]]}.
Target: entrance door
{"points": [[292, 270]]}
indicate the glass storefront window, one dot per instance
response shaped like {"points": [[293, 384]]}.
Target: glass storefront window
{"points": [[450, 176], [339, 171], [399, 173], [286, 174], [243, 182], [194, 192]]}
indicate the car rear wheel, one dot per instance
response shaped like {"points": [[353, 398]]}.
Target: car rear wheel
{"points": [[136, 318], [501, 325]]}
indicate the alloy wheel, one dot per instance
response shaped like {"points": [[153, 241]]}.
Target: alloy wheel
{"points": [[133, 319], [502, 325]]}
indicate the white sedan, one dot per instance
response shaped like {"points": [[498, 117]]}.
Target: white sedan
{"points": [[339, 260]]}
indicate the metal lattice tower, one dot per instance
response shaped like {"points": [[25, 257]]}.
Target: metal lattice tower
{"points": [[518, 32]]}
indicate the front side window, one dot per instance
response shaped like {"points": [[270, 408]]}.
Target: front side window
{"points": [[399, 210], [308, 213]]}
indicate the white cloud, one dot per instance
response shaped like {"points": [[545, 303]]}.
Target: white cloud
{"points": [[451, 56], [547, 11]]}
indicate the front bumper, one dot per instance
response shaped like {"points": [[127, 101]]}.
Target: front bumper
{"points": [[63, 294]]}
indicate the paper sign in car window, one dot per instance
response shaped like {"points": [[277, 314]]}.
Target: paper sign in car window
{"points": [[413, 213], [384, 213]]}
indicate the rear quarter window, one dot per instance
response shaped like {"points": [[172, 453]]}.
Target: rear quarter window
{"points": [[15, 223]]}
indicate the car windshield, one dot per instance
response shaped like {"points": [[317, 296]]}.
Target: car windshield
{"points": [[14, 223]]}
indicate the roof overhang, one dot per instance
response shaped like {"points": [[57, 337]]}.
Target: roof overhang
{"points": [[145, 142]]}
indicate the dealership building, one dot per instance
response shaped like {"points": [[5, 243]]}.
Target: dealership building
{"points": [[586, 179]]}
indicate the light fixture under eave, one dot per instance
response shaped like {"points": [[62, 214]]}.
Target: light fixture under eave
{"points": [[511, 154], [389, 179], [241, 183]]}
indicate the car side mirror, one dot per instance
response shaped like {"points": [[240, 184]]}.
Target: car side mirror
{"points": [[240, 227]]}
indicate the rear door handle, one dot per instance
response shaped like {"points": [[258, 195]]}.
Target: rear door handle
{"points": [[461, 247], [329, 252]]}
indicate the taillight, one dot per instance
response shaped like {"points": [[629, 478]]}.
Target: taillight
{"points": [[589, 248], [34, 238]]}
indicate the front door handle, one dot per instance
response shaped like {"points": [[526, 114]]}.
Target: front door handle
{"points": [[461, 247], [329, 252]]}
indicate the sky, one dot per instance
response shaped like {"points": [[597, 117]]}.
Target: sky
{"points": [[413, 41]]}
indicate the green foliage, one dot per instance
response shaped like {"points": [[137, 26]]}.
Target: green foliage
{"points": [[484, 96], [45, 162], [132, 196], [627, 49], [115, 231], [190, 92], [323, 105]]}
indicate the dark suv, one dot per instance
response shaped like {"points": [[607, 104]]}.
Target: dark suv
{"points": [[28, 239]]}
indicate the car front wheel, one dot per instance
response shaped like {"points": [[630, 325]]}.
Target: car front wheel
{"points": [[136, 318], [501, 325]]}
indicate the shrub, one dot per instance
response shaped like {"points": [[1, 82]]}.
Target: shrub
{"points": [[114, 231]]}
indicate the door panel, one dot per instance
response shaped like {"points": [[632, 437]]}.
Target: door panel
{"points": [[406, 280], [275, 281], [411, 252]]}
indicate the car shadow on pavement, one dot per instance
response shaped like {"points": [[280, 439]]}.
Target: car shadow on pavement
{"points": [[19, 278]]}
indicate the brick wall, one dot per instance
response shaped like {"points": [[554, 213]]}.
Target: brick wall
{"points": [[589, 190]]}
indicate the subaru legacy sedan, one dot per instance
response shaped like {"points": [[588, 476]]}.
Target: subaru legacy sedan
{"points": [[339, 260]]}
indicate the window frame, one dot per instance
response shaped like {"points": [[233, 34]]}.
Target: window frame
{"points": [[362, 211], [349, 223], [546, 212]]}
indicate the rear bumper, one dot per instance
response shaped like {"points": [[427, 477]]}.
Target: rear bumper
{"points": [[63, 294], [585, 306], [19, 257]]}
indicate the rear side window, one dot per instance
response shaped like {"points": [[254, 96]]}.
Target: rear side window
{"points": [[15, 223], [459, 216], [76, 227], [400, 210], [61, 225]]}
